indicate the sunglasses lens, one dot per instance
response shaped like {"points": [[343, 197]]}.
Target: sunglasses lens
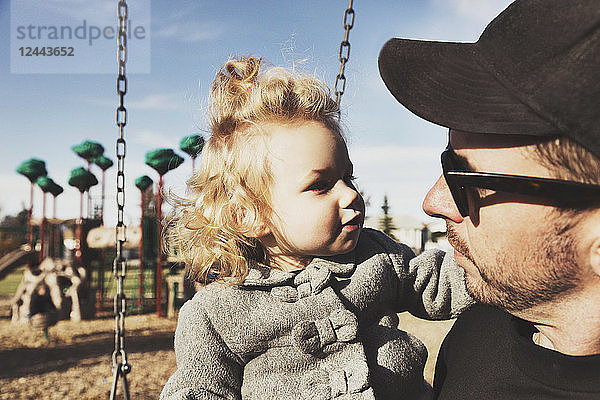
{"points": [[458, 192], [460, 198]]}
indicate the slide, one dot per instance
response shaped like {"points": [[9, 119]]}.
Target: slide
{"points": [[12, 260]]}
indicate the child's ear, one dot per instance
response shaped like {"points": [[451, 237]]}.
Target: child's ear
{"points": [[246, 219]]}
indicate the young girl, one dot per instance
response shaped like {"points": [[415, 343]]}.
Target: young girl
{"points": [[300, 300]]}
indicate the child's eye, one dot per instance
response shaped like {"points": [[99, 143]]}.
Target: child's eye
{"points": [[326, 185], [320, 186]]}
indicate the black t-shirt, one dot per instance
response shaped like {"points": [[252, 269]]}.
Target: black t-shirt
{"points": [[489, 355]]}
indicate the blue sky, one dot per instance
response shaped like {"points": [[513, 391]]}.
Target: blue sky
{"points": [[395, 153]]}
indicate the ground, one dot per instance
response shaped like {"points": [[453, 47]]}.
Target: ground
{"points": [[75, 363]]}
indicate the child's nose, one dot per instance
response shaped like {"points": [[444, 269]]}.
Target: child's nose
{"points": [[350, 198]]}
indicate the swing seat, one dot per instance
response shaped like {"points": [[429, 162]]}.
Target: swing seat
{"points": [[42, 321]]}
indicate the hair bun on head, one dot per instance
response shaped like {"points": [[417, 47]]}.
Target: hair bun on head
{"points": [[245, 92], [230, 93], [242, 72]]}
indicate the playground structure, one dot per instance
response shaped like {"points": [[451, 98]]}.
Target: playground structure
{"points": [[87, 266], [57, 279]]}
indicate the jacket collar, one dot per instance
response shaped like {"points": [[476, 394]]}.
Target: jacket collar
{"points": [[260, 275]]}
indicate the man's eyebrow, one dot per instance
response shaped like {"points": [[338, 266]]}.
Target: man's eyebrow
{"points": [[462, 162]]}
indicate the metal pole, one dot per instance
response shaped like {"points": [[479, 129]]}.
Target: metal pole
{"points": [[42, 228], [102, 204], [29, 217], [159, 255], [141, 256], [79, 231], [51, 245], [89, 197]]}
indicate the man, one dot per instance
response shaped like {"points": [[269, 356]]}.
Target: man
{"points": [[520, 194]]}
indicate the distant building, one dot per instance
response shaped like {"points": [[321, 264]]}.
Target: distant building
{"points": [[414, 233], [437, 236]]}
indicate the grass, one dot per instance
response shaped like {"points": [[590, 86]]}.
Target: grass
{"points": [[130, 284], [9, 285]]}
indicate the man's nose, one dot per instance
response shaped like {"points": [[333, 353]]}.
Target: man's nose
{"points": [[439, 202]]}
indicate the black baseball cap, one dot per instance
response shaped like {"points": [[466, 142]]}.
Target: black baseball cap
{"points": [[535, 70]]}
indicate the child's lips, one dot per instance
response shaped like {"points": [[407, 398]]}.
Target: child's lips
{"points": [[350, 228], [354, 224]]}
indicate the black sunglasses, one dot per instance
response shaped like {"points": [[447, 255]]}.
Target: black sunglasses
{"points": [[566, 194]]}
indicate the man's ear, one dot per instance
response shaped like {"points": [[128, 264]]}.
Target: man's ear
{"points": [[595, 256], [595, 247]]}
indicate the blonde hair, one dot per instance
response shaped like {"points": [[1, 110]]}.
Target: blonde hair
{"points": [[230, 199]]}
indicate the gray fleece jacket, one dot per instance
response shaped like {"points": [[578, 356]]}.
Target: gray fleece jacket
{"points": [[327, 332]]}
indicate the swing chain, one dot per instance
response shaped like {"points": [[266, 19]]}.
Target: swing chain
{"points": [[344, 53], [119, 357]]}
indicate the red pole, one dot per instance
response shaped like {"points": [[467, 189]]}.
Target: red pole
{"points": [[79, 232], [30, 215], [102, 204], [141, 257], [100, 284], [42, 228], [100, 291], [159, 256], [51, 244], [89, 197]]}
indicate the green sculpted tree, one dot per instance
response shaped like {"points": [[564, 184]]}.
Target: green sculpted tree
{"points": [[192, 145], [386, 223]]}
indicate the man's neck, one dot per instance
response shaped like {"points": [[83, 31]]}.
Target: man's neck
{"points": [[571, 327]]}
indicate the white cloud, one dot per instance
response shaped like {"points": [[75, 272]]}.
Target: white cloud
{"points": [[78, 9], [404, 174], [19, 189], [154, 139], [185, 10], [385, 156], [456, 20], [479, 11], [157, 102], [151, 102], [181, 23], [190, 32]]}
